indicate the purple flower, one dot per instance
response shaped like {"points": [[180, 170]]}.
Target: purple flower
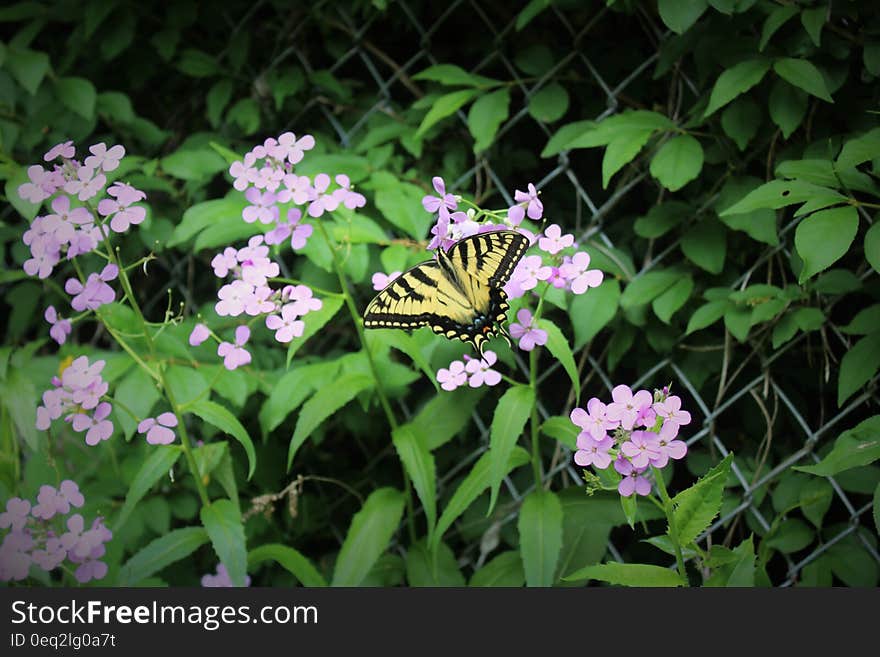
{"points": [[452, 378], [321, 202], [528, 272], [199, 334], [61, 327], [51, 502], [63, 222], [554, 241], [95, 293], [344, 194], [292, 148], [41, 186], [593, 452], [16, 514], [580, 278], [259, 302], [302, 299], [525, 332], [262, 207], [381, 280], [480, 370], [123, 215], [222, 579], [287, 326], [64, 150], [642, 448], [45, 254], [632, 481], [433, 203], [104, 158], [234, 355], [97, 427], [300, 187], [535, 210], [440, 231], [14, 563], [233, 298], [669, 448], [670, 411], [69, 490], [626, 407], [224, 262], [86, 184], [243, 172], [158, 429], [594, 420], [89, 570]]}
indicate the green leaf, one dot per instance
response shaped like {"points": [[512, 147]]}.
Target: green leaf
{"points": [[531, 10], [504, 570], [245, 114], [803, 75], [679, 15], [18, 176], [824, 237], [20, 400], [736, 80], [138, 392], [741, 120], [432, 568], [452, 75], [877, 508], [78, 95], [540, 536], [291, 390], [697, 506], [738, 320], [28, 67], [706, 245], [220, 417], [813, 20], [202, 216], [485, 117], [788, 106], [510, 417], [591, 311], [163, 551], [860, 149], [646, 287], [562, 429], [444, 416], [851, 562], [401, 204], [621, 150], [477, 481], [289, 559], [589, 134], [792, 535], [661, 218], [194, 164], [444, 106], [549, 104], [161, 459], [315, 321], [758, 224], [866, 321], [419, 464], [628, 574], [557, 344], [673, 299], [859, 365], [222, 521], [368, 536], [853, 448], [872, 247], [778, 194], [776, 19], [815, 500], [677, 162], [325, 403], [198, 64]]}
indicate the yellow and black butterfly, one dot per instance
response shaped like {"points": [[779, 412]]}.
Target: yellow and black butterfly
{"points": [[459, 295]]}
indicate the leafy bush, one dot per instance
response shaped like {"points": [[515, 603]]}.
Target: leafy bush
{"points": [[714, 161]]}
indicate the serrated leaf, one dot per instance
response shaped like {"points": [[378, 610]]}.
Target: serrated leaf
{"points": [[628, 574], [540, 536], [314, 322], [736, 80], [323, 404], [432, 568], [222, 521], [290, 559], [510, 417], [697, 506], [506, 570], [853, 448], [824, 237], [163, 551], [557, 344], [215, 414], [368, 536], [419, 464]]}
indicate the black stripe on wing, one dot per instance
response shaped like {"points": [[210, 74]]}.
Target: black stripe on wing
{"points": [[495, 253], [418, 284]]}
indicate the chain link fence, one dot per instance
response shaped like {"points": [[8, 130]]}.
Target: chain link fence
{"points": [[429, 35]]}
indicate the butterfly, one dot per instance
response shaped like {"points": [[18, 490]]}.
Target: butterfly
{"points": [[459, 295]]}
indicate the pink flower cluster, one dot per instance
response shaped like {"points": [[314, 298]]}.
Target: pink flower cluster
{"points": [[222, 579], [77, 395], [36, 535], [473, 371], [72, 229], [159, 428], [643, 428]]}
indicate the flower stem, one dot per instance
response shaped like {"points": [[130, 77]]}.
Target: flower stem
{"points": [[380, 390], [670, 517], [536, 452]]}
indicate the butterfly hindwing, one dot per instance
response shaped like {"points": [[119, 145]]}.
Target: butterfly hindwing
{"points": [[459, 295]]}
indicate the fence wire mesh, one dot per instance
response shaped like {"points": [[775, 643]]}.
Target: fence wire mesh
{"points": [[429, 35]]}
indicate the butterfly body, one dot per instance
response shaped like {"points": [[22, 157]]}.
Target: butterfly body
{"points": [[458, 295]]}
